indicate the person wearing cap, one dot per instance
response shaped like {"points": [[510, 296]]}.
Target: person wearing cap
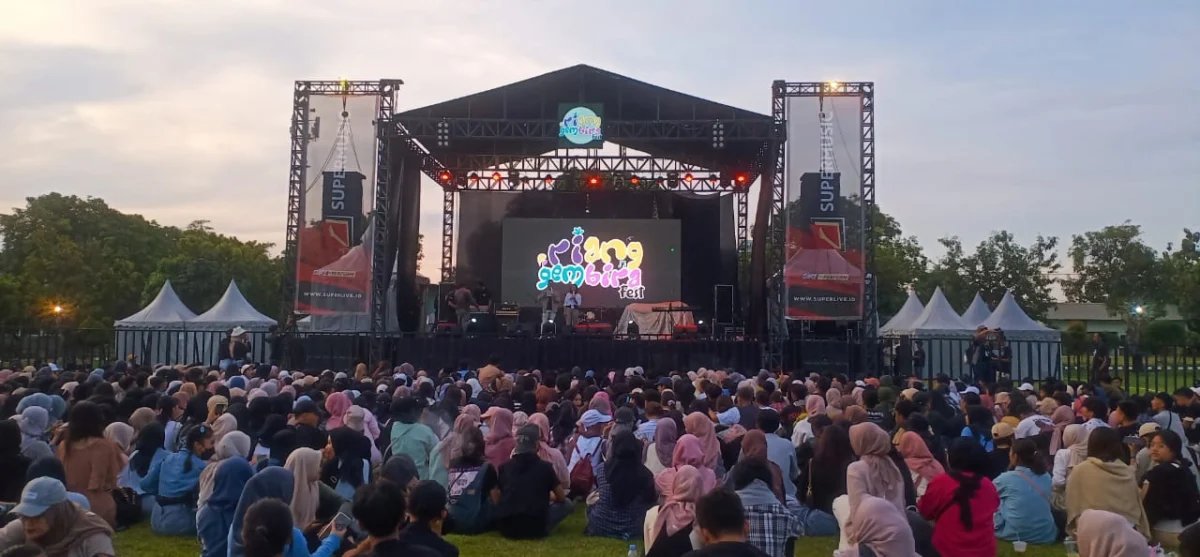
{"points": [[307, 418], [174, 483], [532, 500], [50, 522], [588, 442], [999, 458], [235, 350], [1142, 461]]}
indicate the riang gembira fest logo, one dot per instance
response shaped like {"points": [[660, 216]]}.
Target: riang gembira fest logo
{"points": [[605, 264]]}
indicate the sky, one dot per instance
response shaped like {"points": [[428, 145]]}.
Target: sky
{"points": [[1041, 118]]}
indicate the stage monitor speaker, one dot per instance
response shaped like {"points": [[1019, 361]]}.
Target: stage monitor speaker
{"points": [[481, 322]]}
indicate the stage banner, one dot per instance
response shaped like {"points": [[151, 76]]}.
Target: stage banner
{"points": [[333, 267], [823, 271]]}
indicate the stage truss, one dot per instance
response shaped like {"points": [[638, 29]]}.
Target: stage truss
{"points": [[385, 90], [868, 327]]}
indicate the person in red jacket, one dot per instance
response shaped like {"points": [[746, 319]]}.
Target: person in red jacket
{"points": [[961, 504]]}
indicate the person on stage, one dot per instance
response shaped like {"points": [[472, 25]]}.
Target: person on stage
{"points": [[550, 302], [483, 297], [571, 304], [462, 301]]}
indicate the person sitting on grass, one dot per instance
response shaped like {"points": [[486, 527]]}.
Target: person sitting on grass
{"points": [[625, 488], [882, 531], [723, 526], [1025, 510], [961, 504], [56, 526], [175, 482], [1105, 481], [532, 502], [379, 508], [427, 513], [1169, 492], [409, 436], [267, 529], [773, 528], [670, 530], [277, 483]]}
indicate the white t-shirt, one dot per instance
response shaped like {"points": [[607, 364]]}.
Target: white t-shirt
{"points": [[1034, 425]]}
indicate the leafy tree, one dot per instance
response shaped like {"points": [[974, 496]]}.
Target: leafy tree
{"points": [[1181, 276], [1161, 337], [1075, 338], [1114, 267], [202, 263], [78, 253], [998, 264], [900, 262]]}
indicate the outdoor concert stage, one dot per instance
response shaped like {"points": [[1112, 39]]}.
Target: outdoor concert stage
{"points": [[581, 178]]}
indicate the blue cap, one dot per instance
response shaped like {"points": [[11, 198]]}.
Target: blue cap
{"points": [[39, 495]]}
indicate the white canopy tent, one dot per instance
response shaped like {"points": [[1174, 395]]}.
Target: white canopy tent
{"points": [[207, 330], [908, 313], [944, 333], [156, 333], [977, 312], [1036, 348]]}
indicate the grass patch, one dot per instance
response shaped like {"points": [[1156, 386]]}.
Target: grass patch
{"points": [[568, 540]]}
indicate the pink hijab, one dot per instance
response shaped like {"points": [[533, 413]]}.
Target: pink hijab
{"points": [[337, 404], [833, 399], [547, 453], [917, 456], [498, 445], [814, 405], [1062, 417], [679, 508], [1106, 534], [688, 452], [519, 421], [666, 435], [872, 445], [472, 411], [880, 526], [454, 441], [699, 425]]}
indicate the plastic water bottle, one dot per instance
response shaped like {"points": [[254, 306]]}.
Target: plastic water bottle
{"points": [[633, 552], [1071, 546]]}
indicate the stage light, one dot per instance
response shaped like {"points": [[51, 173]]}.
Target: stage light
{"points": [[548, 179], [634, 180], [474, 321], [741, 178], [833, 85], [59, 309], [495, 176], [593, 182], [444, 176], [687, 178], [474, 177]]}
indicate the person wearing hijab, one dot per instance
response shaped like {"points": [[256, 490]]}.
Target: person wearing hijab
{"points": [[264, 436], [34, 422], [688, 452], [874, 473], [658, 453], [549, 454], [141, 418], [235, 445], [814, 406], [147, 453], [882, 530], [52, 523], [1061, 417], [409, 436], [834, 403], [350, 466], [174, 482], [121, 434], [275, 483], [962, 504], [920, 461], [699, 426], [336, 404], [500, 440], [13, 465], [626, 491], [446, 449], [669, 529], [215, 515], [305, 466], [1071, 452], [1105, 534], [91, 461]]}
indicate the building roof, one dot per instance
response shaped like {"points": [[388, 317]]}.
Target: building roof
{"points": [[1071, 311]]}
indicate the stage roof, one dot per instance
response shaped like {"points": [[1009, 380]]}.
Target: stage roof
{"points": [[625, 100]]}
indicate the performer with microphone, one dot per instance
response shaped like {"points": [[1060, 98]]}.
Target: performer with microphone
{"points": [[572, 303]]}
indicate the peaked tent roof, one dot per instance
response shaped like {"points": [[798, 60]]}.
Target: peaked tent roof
{"points": [[165, 309], [1010, 317], [939, 318], [232, 310], [908, 313], [977, 312]]}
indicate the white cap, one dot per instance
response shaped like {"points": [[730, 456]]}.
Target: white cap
{"points": [[1027, 387]]}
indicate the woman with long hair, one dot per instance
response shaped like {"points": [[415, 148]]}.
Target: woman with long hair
{"points": [[1105, 481], [827, 468], [1169, 492], [979, 426], [350, 466], [1025, 502], [175, 481], [625, 488], [91, 461], [147, 451], [961, 504]]}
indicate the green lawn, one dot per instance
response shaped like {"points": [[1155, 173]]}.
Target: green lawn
{"points": [[567, 541]]}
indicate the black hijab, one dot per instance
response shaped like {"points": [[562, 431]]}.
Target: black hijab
{"points": [[628, 479], [350, 450], [46, 467], [13, 466], [150, 440]]}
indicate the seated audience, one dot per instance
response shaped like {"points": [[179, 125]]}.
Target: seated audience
{"points": [[722, 523], [305, 466], [669, 528], [658, 453], [772, 526], [409, 436], [874, 473], [532, 501], [427, 513], [49, 521], [92, 462], [1025, 512], [267, 529], [147, 453], [1105, 481], [13, 465], [882, 530], [350, 466], [215, 516], [961, 504], [1169, 493], [380, 508], [276, 483], [625, 490], [1105, 534], [175, 484], [921, 464]]}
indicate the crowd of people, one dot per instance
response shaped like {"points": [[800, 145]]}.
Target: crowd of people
{"points": [[255, 461]]}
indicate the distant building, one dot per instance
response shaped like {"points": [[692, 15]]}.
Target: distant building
{"points": [[1096, 317]]}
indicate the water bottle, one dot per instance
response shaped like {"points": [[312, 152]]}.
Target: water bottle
{"points": [[1071, 546], [633, 552]]}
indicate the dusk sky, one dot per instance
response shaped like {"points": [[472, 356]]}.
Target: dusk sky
{"points": [[1045, 118]]}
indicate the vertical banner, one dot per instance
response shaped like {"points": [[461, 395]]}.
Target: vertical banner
{"points": [[333, 267], [823, 274]]}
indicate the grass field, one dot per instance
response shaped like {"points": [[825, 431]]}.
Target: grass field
{"points": [[568, 540]]}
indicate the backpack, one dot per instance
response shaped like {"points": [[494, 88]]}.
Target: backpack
{"points": [[472, 511], [583, 478]]}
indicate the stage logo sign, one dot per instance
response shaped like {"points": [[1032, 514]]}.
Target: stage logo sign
{"points": [[823, 275], [581, 126], [586, 260]]}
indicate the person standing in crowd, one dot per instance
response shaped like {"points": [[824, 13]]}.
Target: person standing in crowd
{"points": [[1100, 357], [524, 511], [961, 504], [175, 482], [1025, 502], [50, 522], [92, 462]]}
